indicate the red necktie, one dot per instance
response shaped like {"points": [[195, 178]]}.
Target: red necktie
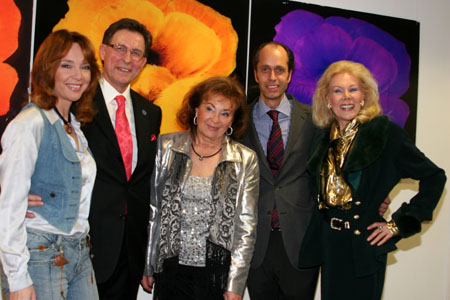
{"points": [[123, 134], [275, 153]]}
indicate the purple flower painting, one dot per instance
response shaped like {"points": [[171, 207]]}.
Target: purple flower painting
{"points": [[317, 42]]}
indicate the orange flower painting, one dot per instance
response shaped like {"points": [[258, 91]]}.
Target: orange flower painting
{"points": [[191, 42], [10, 19]]}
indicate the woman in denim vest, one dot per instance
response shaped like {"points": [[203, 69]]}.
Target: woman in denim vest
{"points": [[45, 153]]}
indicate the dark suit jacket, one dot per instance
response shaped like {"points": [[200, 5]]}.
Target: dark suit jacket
{"points": [[112, 191], [290, 187]]}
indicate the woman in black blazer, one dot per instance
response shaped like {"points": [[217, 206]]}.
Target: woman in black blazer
{"points": [[357, 158]]}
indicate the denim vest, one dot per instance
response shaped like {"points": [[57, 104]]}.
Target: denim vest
{"points": [[57, 177]]}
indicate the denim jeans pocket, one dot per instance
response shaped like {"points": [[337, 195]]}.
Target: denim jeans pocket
{"points": [[42, 248], [41, 257]]}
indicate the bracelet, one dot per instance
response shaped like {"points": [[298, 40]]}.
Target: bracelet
{"points": [[392, 227]]}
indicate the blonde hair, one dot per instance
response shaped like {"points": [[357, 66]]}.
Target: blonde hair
{"points": [[322, 116]]}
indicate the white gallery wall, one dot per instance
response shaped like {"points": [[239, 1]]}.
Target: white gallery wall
{"points": [[419, 270]]}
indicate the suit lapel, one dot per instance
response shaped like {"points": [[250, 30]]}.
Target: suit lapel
{"points": [[105, 127], [103, 120], [257, 147], [140, 114], [298, 118]]}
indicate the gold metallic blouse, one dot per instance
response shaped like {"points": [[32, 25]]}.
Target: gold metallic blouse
{"points": [[335, 191]]}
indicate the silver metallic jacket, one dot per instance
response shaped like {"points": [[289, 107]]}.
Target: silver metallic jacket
{"points": [[235, 188]]}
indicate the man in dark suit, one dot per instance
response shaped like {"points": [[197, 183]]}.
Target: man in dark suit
{"points": [[274, 272], [120, 200]]}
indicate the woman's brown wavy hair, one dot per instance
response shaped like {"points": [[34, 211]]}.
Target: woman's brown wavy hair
{"points": [[47, 60], [225, 86]]}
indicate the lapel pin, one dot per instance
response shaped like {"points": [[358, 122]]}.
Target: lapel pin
{"points": [[144, 112], [153, 137]]}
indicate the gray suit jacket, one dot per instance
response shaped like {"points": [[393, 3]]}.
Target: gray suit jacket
{"points": [[291, 186]]}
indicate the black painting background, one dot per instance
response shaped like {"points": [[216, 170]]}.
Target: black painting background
{"points": [[266, 14], [20, 60]]}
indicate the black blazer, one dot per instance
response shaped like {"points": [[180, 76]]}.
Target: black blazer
{"points": [[381, 156], [112, 191], [290, 187]]}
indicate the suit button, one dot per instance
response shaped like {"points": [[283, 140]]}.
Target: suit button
{"points": [[269, 212], [357, 232], [276, 187], [122, 216], [52, 194], [356, 217], [358, 203]]}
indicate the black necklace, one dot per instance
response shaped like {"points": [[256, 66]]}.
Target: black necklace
{"points": [[67, 125], [201, 157]]}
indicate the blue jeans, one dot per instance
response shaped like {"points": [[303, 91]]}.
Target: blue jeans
{"points": [[60, 267]]}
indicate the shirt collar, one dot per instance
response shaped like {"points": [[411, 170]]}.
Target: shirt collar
{"points": [[109, 92], [52, 117], [284, 107]]}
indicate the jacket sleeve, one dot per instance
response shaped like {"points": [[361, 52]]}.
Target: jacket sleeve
{"points": [[20, 143], [245, 226], [412, 163], [153, 227]]}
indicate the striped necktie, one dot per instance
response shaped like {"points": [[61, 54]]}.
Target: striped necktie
{"points": [[275, 153]]}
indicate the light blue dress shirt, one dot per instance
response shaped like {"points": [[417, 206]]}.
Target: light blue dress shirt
{"points": [[263, 123]]}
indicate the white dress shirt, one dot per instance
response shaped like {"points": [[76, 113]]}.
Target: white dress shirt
{"points": [[109, 93], [20, 143]]}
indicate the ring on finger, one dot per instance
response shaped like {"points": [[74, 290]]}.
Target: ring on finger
{"points": [[380, 228]]}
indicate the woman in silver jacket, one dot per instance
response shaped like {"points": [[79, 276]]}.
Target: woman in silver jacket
{"points": [[204, 191]]}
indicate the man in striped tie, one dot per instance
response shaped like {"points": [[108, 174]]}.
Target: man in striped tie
{"points": [[280, 132]]}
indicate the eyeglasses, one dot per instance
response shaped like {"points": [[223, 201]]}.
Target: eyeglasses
{"points": [[135, 54]]}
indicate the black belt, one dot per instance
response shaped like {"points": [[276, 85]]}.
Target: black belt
{"points": [[336, 223]]}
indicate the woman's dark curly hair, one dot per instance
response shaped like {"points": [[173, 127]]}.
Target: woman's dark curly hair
{"points": [[225, 86]]}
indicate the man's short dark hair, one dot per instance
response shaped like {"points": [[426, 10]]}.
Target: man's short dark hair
{"points": [[290, 62], [131, 25]]}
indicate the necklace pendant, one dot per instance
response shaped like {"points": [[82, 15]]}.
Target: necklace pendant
{"points": [[201, 157], [68, 128], [67, 125]]}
